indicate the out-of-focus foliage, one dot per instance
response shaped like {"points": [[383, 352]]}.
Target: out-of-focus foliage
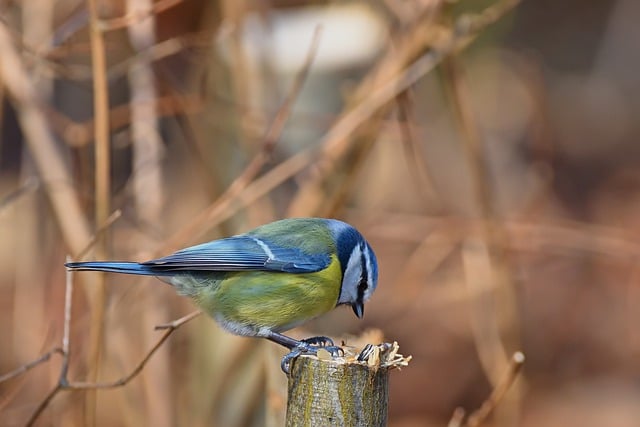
{"points": [[500, 193]]}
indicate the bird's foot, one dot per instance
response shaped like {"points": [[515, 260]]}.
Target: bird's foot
{"points": [[320, 341], [310, 346]]}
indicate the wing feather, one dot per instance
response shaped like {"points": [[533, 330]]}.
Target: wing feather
{"points": [[240, 253]]}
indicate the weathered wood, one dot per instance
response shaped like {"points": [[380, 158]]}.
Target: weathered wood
{"points": [[342, 391]]}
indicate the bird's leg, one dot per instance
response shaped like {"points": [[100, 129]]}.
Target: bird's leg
{"points": [[306, 346]]}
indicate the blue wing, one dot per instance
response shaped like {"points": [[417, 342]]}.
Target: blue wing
{"points": [[241, 253]]}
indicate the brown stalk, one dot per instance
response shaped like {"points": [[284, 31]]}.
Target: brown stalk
{"points": [[478, 416], [497, 266], [28, 366], [102, 197], [64, 384], [132, 18], [79, 134], [415, 159], [148, 192]]}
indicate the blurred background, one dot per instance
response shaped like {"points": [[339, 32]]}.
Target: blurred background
{"points": [[487, 149]]}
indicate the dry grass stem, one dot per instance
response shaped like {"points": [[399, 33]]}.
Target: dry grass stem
{"points": [[28, 366], [498, 393], [476, 418], [97, 291]]}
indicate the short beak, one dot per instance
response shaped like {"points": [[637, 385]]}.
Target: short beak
{"points": [[358, 309]]}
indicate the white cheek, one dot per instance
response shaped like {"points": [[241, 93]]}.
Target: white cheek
{"points": [[352, 276], [370, 279]]}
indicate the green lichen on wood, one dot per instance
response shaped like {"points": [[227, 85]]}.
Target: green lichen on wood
{"points": [[324, 392], [346, 391]]}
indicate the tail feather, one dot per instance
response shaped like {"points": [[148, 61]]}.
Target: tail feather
{"points": [[114, 267]]}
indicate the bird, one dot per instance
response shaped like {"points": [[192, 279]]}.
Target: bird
{"points": [[270, 279]]}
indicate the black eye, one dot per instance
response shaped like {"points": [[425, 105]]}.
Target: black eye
{"points": [[362, 287]]}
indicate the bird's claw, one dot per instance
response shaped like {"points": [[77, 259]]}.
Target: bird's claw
{"points": [[320, 341], [310, 346], [285, 363], [334, 350]]}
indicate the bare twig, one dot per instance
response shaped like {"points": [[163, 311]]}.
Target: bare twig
{"points": [[178, 322], [43, 405], [80, 18], [64, 384], [498, 308], [79, 134], [28, 366], [163, 49], [115, 215], [481, 414], [457, 418], [478, 416], [102, 196], [68, 300], [124, 380], [138, 16], [27, 187], [62, 380], [147, 185], [416, 165]]}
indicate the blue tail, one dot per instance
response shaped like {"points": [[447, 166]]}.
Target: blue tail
{"points": [[115, 267]]}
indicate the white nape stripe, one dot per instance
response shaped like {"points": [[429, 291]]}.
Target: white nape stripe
{"points": [[264, 247], [367, 257], [352, 275]]}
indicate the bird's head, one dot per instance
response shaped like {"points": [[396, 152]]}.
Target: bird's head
{"points": [[358, 263]]}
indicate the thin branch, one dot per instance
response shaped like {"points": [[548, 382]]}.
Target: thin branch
{"points": [[43, 405], [28, 366], [497, 394], [80, 134], [115, 215], [481, 414], [27, 187], [124, 380], [457, 418], [102, 162], [179, 322], [80, 18], [63, 382], [163, 49], [487, 257], [68, 300], [416, 164], [133, 18]]}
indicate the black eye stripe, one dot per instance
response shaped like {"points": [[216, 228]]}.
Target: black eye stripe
{"points": [[364, 274]]}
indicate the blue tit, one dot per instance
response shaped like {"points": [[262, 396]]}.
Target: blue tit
{"points": [[270, 279]]}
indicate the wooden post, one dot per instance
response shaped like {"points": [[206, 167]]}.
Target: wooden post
{"points": [[345, 391]]}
